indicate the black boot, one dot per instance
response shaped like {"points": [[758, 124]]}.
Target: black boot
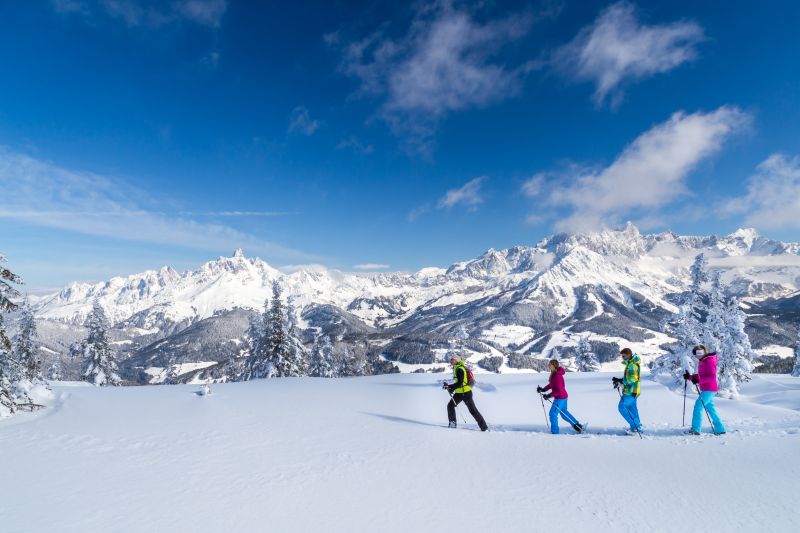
{"points": [[451, 424], [578, 428]]}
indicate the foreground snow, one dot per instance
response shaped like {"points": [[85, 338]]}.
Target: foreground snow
{"points": [[368, 454]]}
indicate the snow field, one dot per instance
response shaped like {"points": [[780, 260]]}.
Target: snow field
{"points": [[369, 454]]}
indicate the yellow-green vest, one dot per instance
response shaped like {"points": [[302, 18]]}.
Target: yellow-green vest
{"points": [[464, 385]]}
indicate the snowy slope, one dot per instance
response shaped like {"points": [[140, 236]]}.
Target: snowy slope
{"points": [[369, 454]]}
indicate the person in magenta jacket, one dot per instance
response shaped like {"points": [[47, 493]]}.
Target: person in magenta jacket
{"points": [[706, 380], [559, 394]]}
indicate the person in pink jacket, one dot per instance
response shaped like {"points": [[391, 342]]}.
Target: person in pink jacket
{"points": [[558, 391], [706, 380]]}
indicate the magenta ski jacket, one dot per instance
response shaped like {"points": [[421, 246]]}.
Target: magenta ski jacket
{"points": [[556, 383], [707, 373]]}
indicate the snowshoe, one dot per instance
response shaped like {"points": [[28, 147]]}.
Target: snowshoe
{"points": [[691, 432]]}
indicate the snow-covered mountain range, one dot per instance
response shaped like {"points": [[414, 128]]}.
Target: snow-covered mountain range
{"points": [[613, 285]]}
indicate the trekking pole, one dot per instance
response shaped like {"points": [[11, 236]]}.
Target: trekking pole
{"points": [[452, 399], [705, 409], [685, 383], [629, 412], [546, 421]]}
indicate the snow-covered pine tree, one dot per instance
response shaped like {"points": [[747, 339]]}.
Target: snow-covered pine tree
{"points": [[686, 327], [796, 369], [100, 367], [56, 370], [258, 363], [7, 365], [735, 353], [329, 356], [284, 360], [342, 363], [586, 360], [26, 349], [296, 353], [321, 365]]}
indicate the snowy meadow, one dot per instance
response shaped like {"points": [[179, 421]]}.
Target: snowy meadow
{"points": [[371, 454]]}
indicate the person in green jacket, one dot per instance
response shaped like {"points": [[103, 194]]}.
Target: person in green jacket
{"points": [[631, 389], [461, 391]]}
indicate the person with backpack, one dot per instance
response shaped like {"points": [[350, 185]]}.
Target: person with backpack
{"points": [[559, 402], [631, 389], [461, 391], [706, 382]]}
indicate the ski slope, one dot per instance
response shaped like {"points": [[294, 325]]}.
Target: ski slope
{"points": [[369, 454]]}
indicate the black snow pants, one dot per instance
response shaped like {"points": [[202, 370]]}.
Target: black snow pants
{"points": [[465, 397]]}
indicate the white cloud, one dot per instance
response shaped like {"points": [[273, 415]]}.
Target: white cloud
{"points": [[468, 195], [618, 49], [43, 194], [142, 13], [533, 186], [773, 195], [356, 145], [418, 211], [445, 62], [371, 266], [300, 121], [650, 173]]}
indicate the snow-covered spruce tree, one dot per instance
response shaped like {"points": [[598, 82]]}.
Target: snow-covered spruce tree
{"points": [[258, 363], [296, 353], [8, 367], [284, 360], [26, 349], [586, 360], [56, 370], [342, 360], [321, 364], [686, 327], [735, 353], [100, 367]]}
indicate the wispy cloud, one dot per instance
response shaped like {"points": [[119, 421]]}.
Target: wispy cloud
{"points": [[300, 122], [142, 13], [533, 186], [356, 145], [618, 49], [468, 195], [44, 194], [418, 211], [237, 213], [773, 195], [371, 266], [649, 174], [445, 62]]}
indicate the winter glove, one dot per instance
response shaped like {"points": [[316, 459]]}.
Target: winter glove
{"points": [[616, 381], [695, 379], [686, 375], [445, 386], [539, 389], [548, 396]]}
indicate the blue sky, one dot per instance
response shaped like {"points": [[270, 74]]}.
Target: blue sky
{"points": [[135, 134]]}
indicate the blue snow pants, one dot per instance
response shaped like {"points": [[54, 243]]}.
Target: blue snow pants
{"points": [[560, 405], [629, 411], [706, 398]]}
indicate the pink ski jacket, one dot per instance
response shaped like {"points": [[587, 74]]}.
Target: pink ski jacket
{"points": [[707, 373], [556, 383]]}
